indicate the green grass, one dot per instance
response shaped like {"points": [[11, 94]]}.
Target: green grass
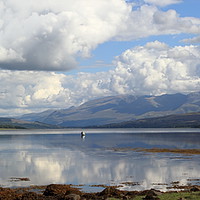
{"points": [[172, 196], [178, 195]]}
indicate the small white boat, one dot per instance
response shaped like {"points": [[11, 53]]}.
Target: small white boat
{"points": [[82, 133]]}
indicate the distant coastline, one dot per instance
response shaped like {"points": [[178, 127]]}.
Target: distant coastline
{"points": [[189, 120]]}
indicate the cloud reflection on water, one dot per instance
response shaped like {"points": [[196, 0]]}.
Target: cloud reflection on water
{"points": [[67, 159]]}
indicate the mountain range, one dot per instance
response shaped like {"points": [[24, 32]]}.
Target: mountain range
{"points": [[117, 109]]}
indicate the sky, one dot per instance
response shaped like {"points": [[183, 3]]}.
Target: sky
{"points": [[57, 54]]}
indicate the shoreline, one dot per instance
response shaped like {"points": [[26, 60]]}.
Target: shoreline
{"points": [[73, 192]]}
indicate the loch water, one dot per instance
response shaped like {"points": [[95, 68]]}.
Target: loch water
{"points": [[103, 156]]}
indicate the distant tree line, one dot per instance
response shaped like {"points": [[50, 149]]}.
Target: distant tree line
{"points": [[8, 126]]}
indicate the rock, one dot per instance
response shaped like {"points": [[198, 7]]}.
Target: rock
{"points": [[71, 190], [8, 194], [150, 197], [72, 197], [131, 194], [88, 196], [195, 189], [111, 192], [156, 192], [54, 189], [30, 196], [125, 198], [61, 190], [151, 192]]}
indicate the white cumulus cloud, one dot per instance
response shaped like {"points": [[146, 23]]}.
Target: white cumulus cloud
{"points": [[157, 68], [149, 20], [154, 68], [52, 35], [49, 35], [194, 40], [163, 2]]}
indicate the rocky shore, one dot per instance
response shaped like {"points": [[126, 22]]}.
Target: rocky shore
{"points": [[68, 192]]}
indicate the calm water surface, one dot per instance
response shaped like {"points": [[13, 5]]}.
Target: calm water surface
{"points": [[62, 156]]}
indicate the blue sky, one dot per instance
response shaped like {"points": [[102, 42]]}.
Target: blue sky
{"points": [[186, 8], [56, 55], [107, 51]]}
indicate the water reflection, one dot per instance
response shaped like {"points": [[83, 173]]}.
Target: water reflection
{"points": [[60, 158]]}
